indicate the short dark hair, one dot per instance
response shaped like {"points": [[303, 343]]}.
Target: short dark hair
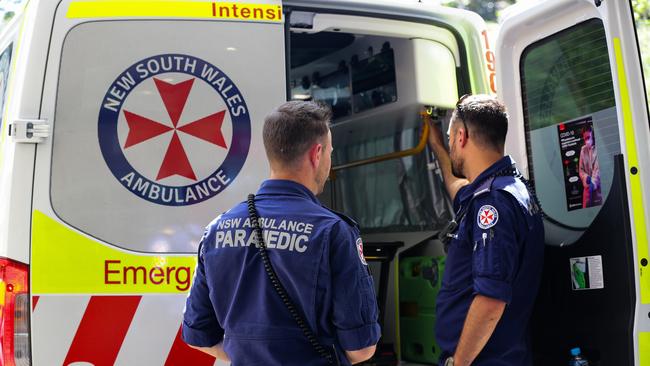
{"points": [[292, 128], [485, 118]]}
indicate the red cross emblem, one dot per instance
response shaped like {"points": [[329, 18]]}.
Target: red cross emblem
{"points": [[174, 97], [487, 216], [360, 251]]}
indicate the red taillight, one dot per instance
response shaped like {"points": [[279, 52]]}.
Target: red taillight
{"points": [[14, 321]]}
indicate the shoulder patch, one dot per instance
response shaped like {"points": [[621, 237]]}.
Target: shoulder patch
{"points": [[487, 216], [484, 188], [520, 193], [360, 251]]}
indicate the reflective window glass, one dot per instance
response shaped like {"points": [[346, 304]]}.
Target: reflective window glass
{"points": [[570, 120]]}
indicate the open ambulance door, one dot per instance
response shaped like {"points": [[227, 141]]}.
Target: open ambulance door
{"points": [[156, 116], [570, 75]]}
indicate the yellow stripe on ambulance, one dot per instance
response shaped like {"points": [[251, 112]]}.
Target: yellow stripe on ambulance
{"points": [[67, 262], [176, 9]]}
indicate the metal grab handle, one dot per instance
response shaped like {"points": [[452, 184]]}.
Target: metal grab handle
{"points": [[394, 155]]}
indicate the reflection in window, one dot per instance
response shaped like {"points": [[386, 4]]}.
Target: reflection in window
{"points": [[566, 76], [373, 81], [337, 69], [334, 90], [8, 11]]}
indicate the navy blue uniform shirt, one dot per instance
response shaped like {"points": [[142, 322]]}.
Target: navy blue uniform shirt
{"points": [[498, 253], [318, 257]]}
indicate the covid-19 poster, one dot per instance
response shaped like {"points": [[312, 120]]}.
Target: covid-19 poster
{"points": [[580, 164]]}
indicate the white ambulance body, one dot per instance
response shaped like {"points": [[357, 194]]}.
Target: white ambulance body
{"points": [[128, 126]]}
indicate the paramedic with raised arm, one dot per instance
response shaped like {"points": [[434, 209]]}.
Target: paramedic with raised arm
{"points": [[495, 254], [234, 310]]}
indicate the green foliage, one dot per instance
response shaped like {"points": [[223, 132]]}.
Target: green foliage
{"points": [[8, 15], [643, 32], [642, 16], [487, 9], [641, 9]]}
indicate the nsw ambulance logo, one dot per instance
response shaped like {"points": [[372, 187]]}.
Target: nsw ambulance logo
{"points": [[360, 251], [174, 129], [487, 217]]}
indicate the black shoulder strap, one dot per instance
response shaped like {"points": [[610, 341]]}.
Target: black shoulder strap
{"points": [[330, 356]]}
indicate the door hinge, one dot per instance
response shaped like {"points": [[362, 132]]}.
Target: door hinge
{"points": [[29, 131]]}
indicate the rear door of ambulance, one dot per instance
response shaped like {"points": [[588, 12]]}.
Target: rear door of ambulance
{"points": [[570, 74], [156, 110]]}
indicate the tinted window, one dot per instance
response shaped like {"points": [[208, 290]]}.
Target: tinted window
{"points": [[567, 75], [158, 126], [5, 66], [570, 120]]}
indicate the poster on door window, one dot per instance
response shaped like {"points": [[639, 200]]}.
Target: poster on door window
{"points": [[582, 181]]}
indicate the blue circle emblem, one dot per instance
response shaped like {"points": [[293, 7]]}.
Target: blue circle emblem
{"points": [[175, 161]]}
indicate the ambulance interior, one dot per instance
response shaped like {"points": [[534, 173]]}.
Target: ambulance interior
{"points": [[376, 84], [377, 80]]}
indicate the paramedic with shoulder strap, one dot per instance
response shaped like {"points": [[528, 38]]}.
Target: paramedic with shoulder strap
{"points": [[295, 289], [495, 243]]}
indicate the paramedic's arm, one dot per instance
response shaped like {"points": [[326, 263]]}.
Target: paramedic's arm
{"points": [[452, 183], [214, 351], [354, 304], [201, 329], [481, 320]]}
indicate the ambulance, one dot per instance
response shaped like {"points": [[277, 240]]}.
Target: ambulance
{"points": [[127, 126]]}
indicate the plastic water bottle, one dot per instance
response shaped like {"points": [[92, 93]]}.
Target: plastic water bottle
{"points": [[576, 359]]}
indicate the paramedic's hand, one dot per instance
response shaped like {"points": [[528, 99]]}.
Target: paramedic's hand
{"points": [[221, 354], [215, 351], [435, 134]]}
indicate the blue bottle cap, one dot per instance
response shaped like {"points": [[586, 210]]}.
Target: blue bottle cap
{"points": [[575, 351]]}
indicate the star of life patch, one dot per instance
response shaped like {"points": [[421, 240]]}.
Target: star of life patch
{"points": [[360, 251], [487, 217]]}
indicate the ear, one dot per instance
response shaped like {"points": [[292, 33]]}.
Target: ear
{"points": [[461, 136], [315, 153]]}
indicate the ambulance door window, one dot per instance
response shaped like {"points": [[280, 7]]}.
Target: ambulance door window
{"points": [[376, 86], [5, 66], [157, 127], [570, 122]]}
